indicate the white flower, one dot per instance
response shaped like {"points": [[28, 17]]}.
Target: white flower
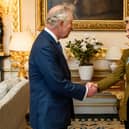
{"points": [[83, 44], [97, 47], [86, 35], [84, 49], [93, 41]]}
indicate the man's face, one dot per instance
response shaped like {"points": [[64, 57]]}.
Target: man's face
{"points": [[65, 28], [127, 30]]}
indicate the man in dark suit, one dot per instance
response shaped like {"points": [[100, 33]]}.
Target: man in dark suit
{"points": [[51, 89]]}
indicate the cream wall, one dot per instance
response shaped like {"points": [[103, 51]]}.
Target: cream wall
{"points": [[109, 38], [28, 15], [116, 38]]}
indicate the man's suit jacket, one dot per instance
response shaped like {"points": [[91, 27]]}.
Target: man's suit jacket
{"points": [[51, 89], [118, 74]]}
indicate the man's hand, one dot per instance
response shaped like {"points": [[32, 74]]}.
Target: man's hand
{"points": [[92, 88]]}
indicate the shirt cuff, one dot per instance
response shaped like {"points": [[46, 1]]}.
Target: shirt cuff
{"points": [[84, 98]]}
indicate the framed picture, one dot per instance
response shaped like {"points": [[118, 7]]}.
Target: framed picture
{"points": [[90, 14]]}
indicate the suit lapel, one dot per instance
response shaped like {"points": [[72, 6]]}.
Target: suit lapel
{"points": [[63, 61], [61, 58]]}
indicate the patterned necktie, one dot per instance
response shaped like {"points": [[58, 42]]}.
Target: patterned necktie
{"points": [[59, 46]]}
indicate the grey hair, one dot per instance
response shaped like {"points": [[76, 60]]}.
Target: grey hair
{"points": [[60, 14]]}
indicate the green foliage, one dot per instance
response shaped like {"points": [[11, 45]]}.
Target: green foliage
{"points": [[84, 49]]}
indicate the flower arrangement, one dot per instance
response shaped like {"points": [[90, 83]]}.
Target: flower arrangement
{"points": [[85, 49]]}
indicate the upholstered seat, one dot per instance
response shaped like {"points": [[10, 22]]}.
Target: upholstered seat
{"points": [[14, 105]]}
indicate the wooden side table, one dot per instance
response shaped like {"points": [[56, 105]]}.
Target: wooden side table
{"points": [[116, 90]]}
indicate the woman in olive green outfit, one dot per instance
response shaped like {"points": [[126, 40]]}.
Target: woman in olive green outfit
{"points": [[117, 75], [121, 71]]}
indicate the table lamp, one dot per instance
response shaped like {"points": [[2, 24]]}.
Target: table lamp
{"points": [[20, 46], [113, 55]]}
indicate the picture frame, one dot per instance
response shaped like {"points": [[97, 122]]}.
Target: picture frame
{"points": [[82, 23]]}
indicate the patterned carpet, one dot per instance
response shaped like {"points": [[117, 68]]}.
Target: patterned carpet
{"points": [[95, 123]]}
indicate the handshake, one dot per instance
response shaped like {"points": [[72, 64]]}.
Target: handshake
{"points": [[92, 88]]}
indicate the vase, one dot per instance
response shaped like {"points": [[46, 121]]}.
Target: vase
{"points": [[86, 72]]}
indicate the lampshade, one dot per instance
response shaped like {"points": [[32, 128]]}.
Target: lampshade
{"points": [[21, 41], [113, 53]]}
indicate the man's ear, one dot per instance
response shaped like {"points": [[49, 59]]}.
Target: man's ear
{"points": [[61, 22]]}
